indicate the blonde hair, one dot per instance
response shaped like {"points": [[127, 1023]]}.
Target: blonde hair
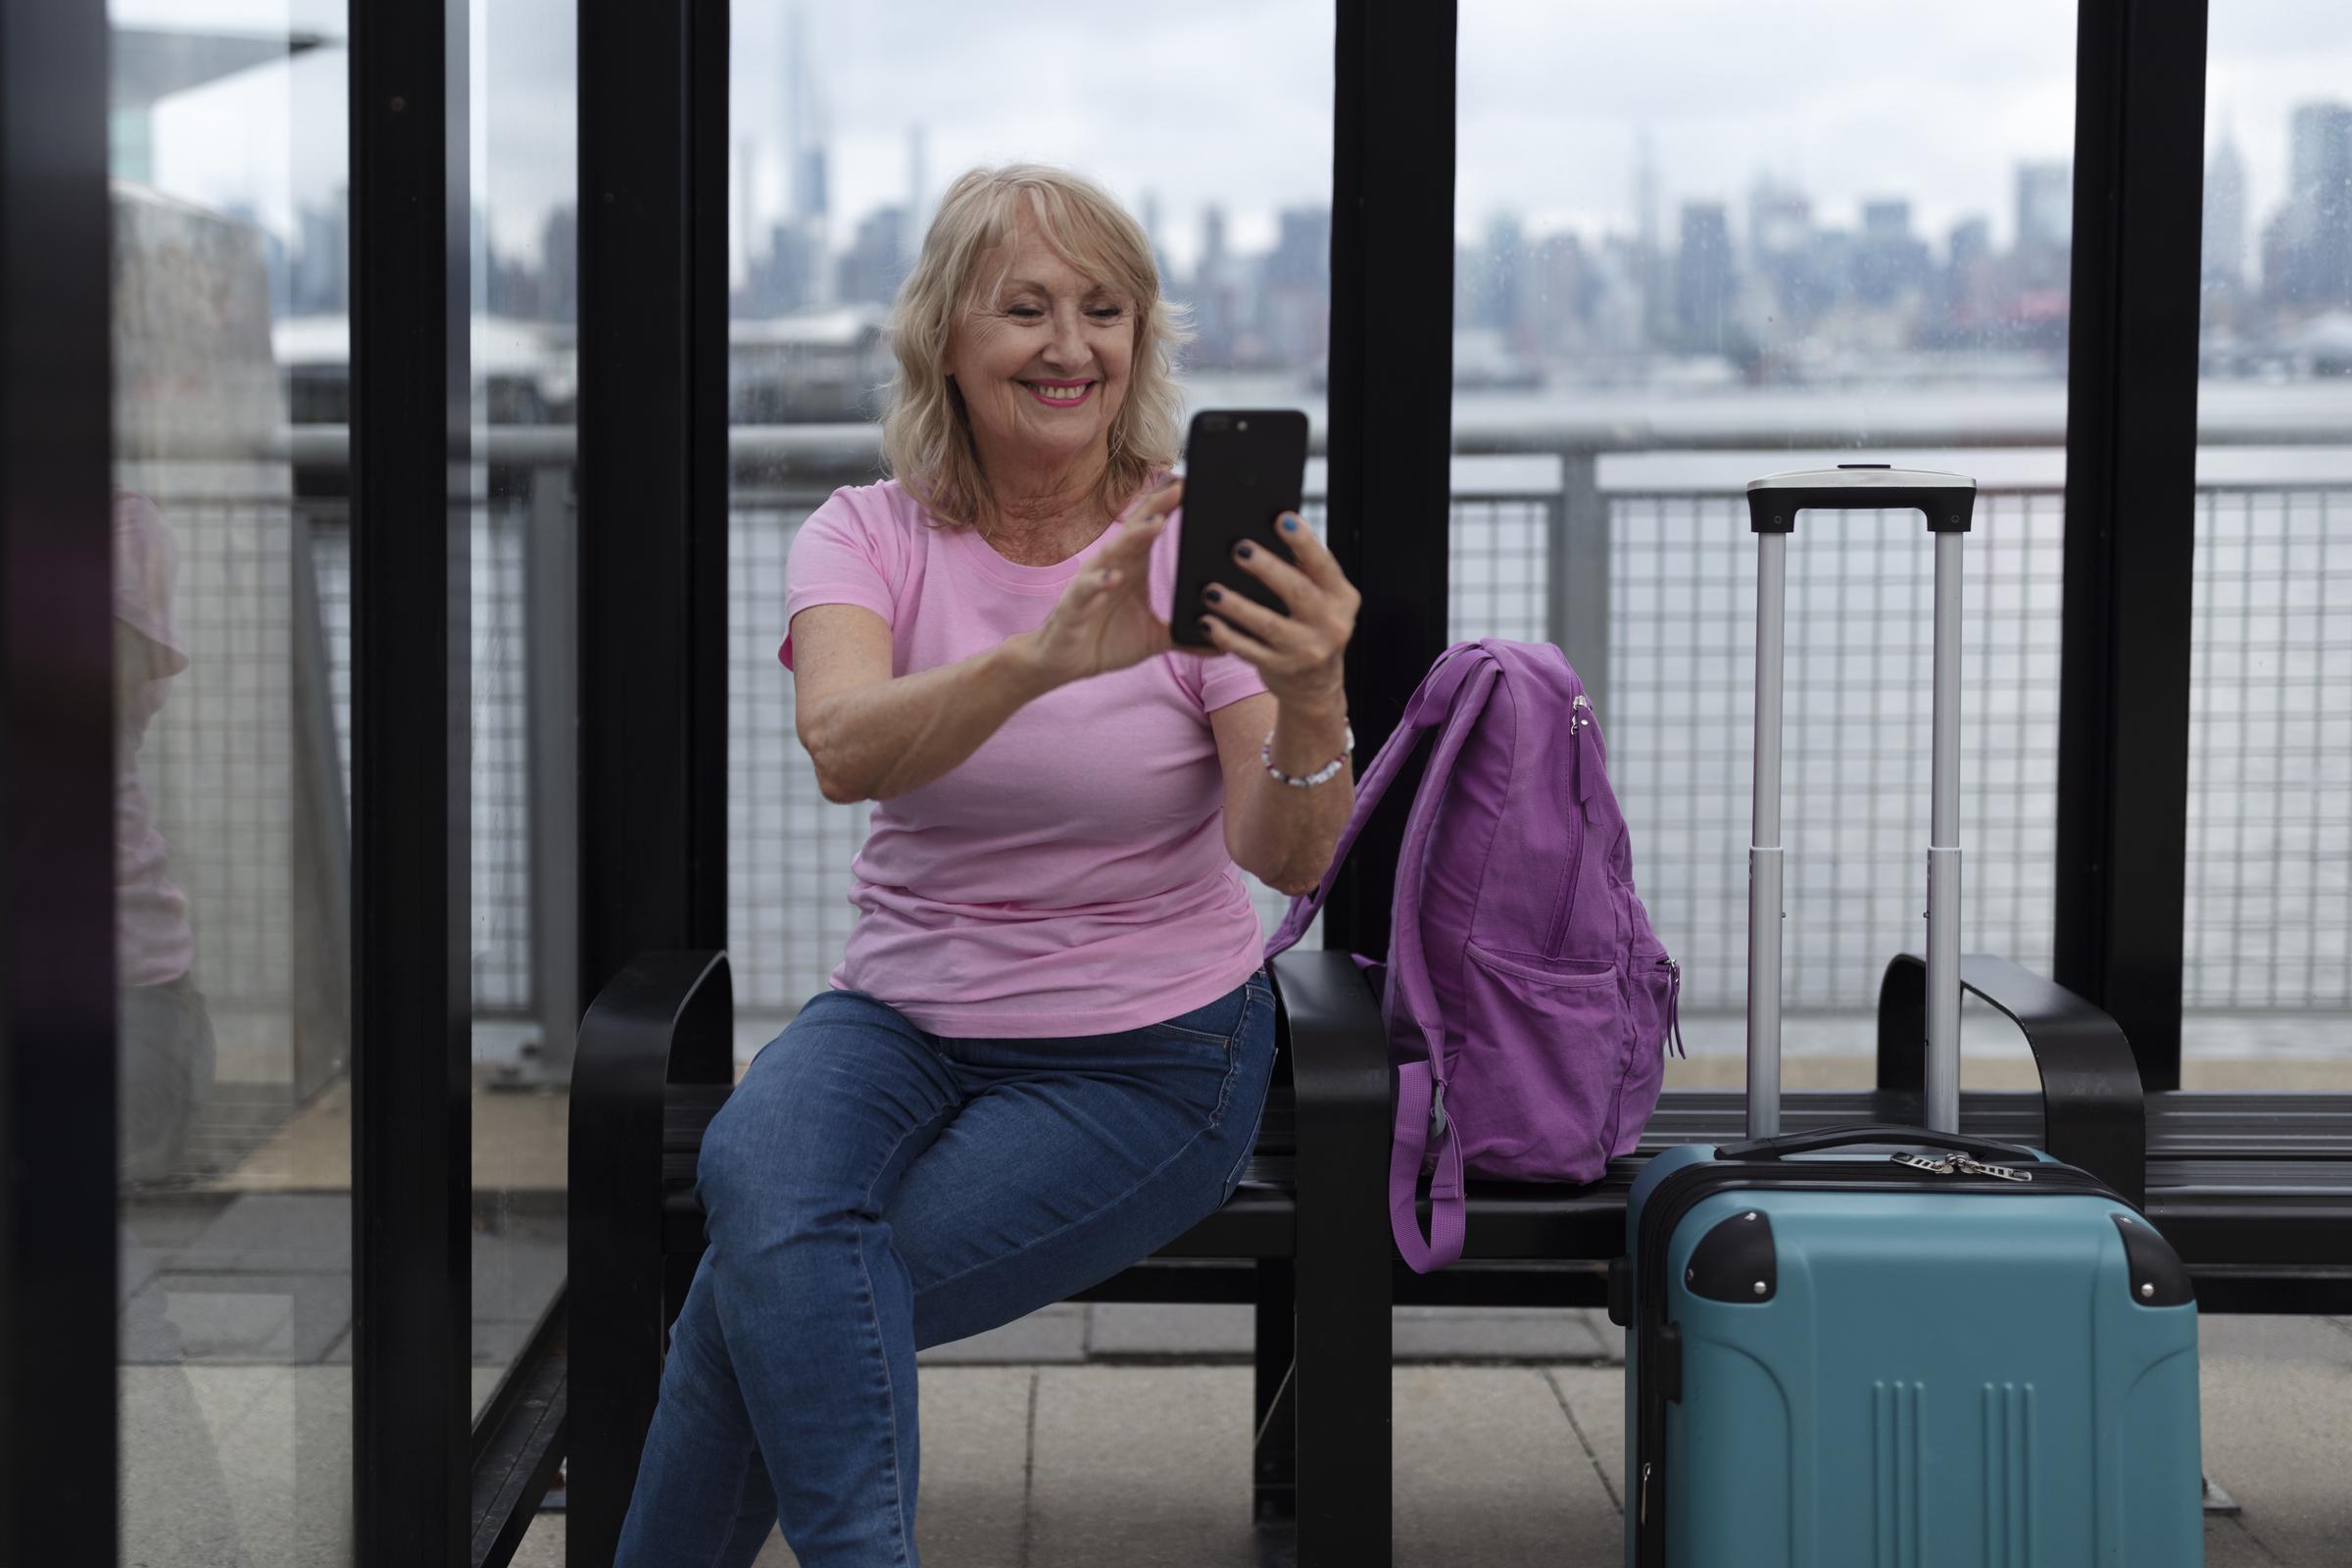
{"points": [[927, 435]]}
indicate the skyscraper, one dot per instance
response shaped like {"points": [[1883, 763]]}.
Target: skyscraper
{"points": [[2224, 247], [1702, 281], [2045, 225], [875, 262], [1889, 261], [1780, 239], [2308, 261]]}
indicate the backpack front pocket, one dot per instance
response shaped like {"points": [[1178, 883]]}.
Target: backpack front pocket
{"points": [[1539, 1054]]}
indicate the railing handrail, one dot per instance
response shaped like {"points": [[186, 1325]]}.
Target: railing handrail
{"points": [[856, 447]]}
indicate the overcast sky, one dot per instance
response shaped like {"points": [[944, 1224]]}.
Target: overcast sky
{"points": [[1230, 101]]}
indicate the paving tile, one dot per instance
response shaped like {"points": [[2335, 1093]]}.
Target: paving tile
{"points": [[1493, 1333], [496, 1344], [2277, 1425], [542, 1544], [165, 1220], [2227, 1545], [1134, 1329], [1172, 1330], [311, 1228], [1051, 1335], [290, 1462], [1607, 1333], [1490, 1474], [483, 1382], [1594, 1400], [287, 1319], [2294, 1341], [273, 1488], [1148, 1467], [517, 1271], [975, 1423], [176, 1509]]}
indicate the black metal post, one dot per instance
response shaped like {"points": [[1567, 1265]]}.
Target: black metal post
{"points": [[411, 624], [653, 96], [2130, 519], [1391, 242], [57, 905]]}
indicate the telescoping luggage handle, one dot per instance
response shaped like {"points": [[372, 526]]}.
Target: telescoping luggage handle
{"points": [[1948, 502]]}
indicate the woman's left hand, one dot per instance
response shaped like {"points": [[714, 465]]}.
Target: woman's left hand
{"points": [[1298, 655]]}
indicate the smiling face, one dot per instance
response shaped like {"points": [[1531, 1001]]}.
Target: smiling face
{"points": [[1041, 356]]}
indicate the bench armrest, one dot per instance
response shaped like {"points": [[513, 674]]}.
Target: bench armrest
{"points": [[1345, 1095], [2094, 1115], [667, 1017]]}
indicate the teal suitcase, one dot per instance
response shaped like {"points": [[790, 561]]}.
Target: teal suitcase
{"points": [[1903, 1360], [1895, 1346]]}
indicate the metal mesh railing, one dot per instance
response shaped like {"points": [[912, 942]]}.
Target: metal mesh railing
{"points": [[2269, 913], [1856, 767], [2268, 921]]}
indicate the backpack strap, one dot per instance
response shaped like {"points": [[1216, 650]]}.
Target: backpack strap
{"points": [[1428, 708], [1421, 1119]]}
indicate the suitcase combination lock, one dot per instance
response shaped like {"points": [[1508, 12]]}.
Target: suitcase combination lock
{"points": [[1962, 1165]]}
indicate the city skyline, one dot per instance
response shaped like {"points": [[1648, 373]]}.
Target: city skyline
{"points": [[832, 177], [1549, 143]]}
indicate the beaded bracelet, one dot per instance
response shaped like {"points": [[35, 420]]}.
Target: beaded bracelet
{"points": [[1321, 775]]}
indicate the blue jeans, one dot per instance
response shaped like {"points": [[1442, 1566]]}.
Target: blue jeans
{"points": [[871, 1190]]}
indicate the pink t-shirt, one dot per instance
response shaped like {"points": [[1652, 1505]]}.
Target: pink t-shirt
{"points": [[1070, 876]]}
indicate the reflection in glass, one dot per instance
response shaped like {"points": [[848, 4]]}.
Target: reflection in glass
{"points": [[2267, 980], [232, 832], [523, 299]]}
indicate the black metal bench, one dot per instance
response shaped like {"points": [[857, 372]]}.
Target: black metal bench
{"points": [[2255, 1192]]}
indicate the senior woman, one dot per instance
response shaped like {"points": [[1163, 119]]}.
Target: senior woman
{"points": [[1045, 1050]]}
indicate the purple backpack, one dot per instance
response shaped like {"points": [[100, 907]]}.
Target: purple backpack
{"points": [[1528, 1002]]}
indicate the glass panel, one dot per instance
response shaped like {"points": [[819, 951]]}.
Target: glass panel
{"points": [[1687, 257], [849, 124], [525, 288], [230, 206], [2268, 977]]}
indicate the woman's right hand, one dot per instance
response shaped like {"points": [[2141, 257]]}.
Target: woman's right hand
{"points": [[1103, 619]]}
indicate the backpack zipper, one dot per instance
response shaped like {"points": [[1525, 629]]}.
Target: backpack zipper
{"points": [[1580, 721]]}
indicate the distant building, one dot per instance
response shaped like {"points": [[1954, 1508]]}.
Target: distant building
{"points": [[784, 279], [876, 260], [1780, 239], [2224, 246], [1890, 263], [1703, 285], [1559, 295], [1295, 287], [1223, 329], [1501, 304], [321, 284], [2307, 260], [2045, 225], [560, 265]]}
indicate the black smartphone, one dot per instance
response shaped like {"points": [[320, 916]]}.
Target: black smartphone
{"points": [[1243, 468]]}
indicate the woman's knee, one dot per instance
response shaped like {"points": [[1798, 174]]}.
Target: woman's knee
{"points": [[816, 1123]]}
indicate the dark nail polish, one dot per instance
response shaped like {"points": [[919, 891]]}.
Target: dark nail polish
{"points": [[1206, 624], [1212, 595], [1244, 551]]}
